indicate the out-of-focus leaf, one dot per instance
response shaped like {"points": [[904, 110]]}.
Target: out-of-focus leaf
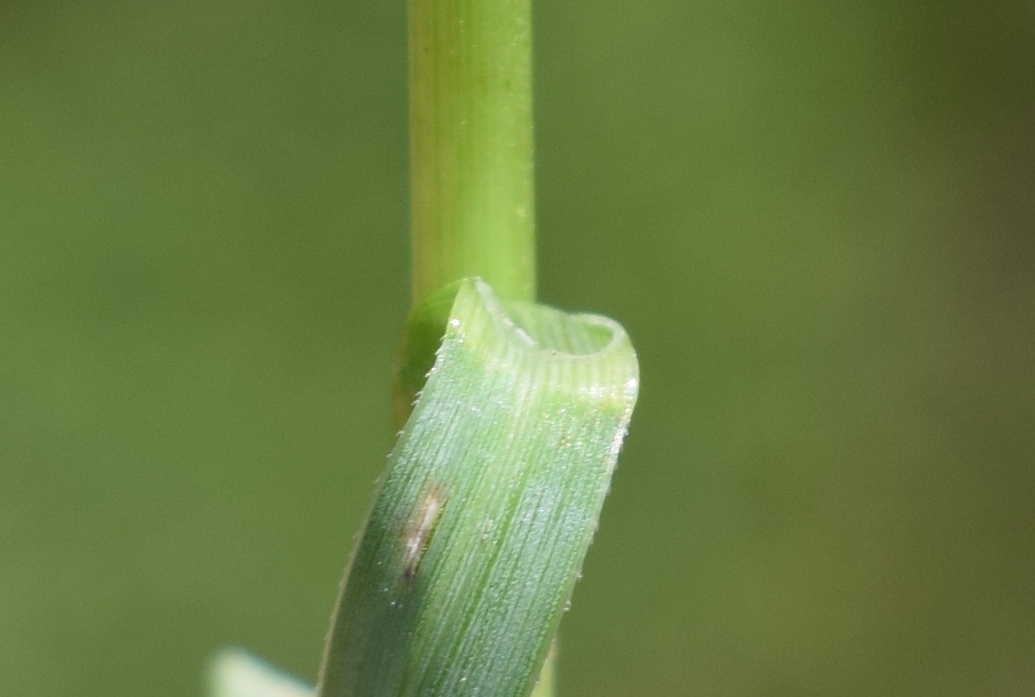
{"points": [[237, 673]]}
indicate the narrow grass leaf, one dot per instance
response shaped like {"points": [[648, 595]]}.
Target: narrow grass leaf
{"points": [[489, 501]]}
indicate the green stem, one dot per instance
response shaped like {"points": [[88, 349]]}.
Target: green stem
{"points": [[471, 145], [471, 151]]}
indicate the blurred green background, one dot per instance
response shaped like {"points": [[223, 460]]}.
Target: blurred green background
{"points": [[817, 221]]}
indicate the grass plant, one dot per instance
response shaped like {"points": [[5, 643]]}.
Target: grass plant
{"points": [[512, 413]]}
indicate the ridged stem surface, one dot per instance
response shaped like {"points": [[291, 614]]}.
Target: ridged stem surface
{"points": [[470, 65]]}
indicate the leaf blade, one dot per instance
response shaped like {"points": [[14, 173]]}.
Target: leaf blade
{"points": [[512, 443]]}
